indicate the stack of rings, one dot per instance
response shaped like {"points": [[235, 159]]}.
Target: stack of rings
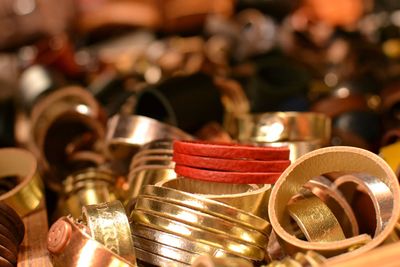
{"points": [[12, 232], [229, 163], [188, 225], [153, 163]]}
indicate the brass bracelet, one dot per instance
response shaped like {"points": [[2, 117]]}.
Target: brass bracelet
{"points": [[127, 133], [71, 105], [196, 234], [201, 220], [148, 176], [248, 197], [28, 192], [377, 190], [70, 245], [208, 206], [315, 219], [208, 261], [284, 126], [157, 260], [177, 241], [337, 203], [87, 187], [319, 162], [109, 225], [164, 250]]}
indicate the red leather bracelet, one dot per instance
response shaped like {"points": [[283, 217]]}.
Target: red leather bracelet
{"points": [[227, 177], [234, 165], [230, 151]]}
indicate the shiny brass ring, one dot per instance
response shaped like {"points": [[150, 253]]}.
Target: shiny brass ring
{"points": [[201, 220], [157, 260], [337, 203], [208, 206], [177, 241], [28, 193], [197, 234], [109, 225], [284, 126], [209, 261], [315, 219], [164, 250], [248, 197], [319, 162], [127, 133], [70, 245]]}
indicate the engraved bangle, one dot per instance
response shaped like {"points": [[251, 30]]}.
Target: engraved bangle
{"points": [[315, 219], [319, 162], [201, 220], [28, 193], [208, 206], [177, 241], [109, 225], [197, 234], [248, 197], [70, 245], [377, 190], [337, 203]]}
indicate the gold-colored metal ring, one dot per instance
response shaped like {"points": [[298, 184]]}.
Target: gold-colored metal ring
{"points": [[319, 162], [149, 153], [87, 187], [177, 241], [70, 245], [147, 175], [297, 148], [197, 234], [164, 250], [209, 261], [337, 203], [248, 197], [315, 219], [157, 260], [201, 220], [377, 190], [208, 206], [284, 126], [28, 192], [127, 133], [109, 225]]}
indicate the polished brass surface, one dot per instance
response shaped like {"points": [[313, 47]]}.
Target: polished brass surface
{"points": [[337, 203], [197, 234], [209, 261], [201, 220], [27, 194], [208, 206], [248, 197], [109, 225], [177, 241], [315, 219], [157, 260], [87, 187]]}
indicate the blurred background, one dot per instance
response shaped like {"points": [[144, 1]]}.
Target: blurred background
{"points": [[190, 63]]}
